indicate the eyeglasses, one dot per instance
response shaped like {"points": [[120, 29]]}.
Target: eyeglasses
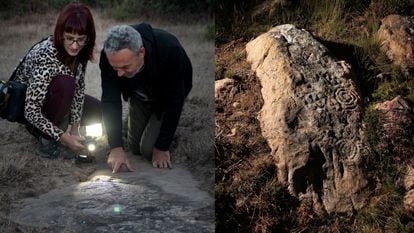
{"points": [[69, 40]]}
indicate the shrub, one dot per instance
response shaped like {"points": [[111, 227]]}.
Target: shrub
{"points": [[121, 9], [384, 212], [390, 136], [391, 140]]}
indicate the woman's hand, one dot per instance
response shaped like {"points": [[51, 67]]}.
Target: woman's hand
{"points": [[74, 130], [71, 141]]}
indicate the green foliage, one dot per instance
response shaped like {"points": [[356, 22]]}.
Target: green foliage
{"points": [[382, 8], [390, 137], [219, 72], [17, 8], [239, 55], [393, 86], [387, 90], [235, 19], [229, 73], [10, 9], [385, 212], [126, 9], [373, 122], [358, 6], [121, 9]]}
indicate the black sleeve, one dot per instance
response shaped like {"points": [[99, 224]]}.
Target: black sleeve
{"points": [[111, 103], [176, 84]]}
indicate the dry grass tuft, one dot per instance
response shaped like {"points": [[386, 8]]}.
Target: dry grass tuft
{"points": [[12, 168]]}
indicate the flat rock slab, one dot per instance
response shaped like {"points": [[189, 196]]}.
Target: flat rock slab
{"points": [[146, 200]]}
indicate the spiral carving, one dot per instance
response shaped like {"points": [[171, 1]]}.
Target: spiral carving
{"points": [[341, 147], [348, 99], [347, 149]]}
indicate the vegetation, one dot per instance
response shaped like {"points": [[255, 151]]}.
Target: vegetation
{"points": [[350, 25], [244, 19], [119, 9], [352, 22]]}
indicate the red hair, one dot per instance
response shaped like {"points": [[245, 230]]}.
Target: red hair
{"points": [[75, 18]]}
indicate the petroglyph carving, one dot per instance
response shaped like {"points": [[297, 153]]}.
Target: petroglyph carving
{"points": [[348, 99], [310, 117]]}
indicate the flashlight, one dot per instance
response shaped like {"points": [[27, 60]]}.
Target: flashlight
{"points": [[92, 133], [91, 147], [94, 130], [87, 155]]}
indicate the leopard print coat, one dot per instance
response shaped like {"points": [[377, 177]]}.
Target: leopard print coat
{"points": [[37, 71]]}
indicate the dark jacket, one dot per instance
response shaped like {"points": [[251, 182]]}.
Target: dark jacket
{"points": [[167, 78]]}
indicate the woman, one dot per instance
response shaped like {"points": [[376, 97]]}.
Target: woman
{"points": [[54, 72]]}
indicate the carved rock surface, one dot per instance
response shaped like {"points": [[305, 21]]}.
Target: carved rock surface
{"points": [[148, 200], [396, 35], [310, 118]]}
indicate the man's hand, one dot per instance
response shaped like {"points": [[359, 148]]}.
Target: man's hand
{"points": [[71, 141], [116, 158], [161, 159]]}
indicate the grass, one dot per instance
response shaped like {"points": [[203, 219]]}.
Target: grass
{"points": [[259, 203], [175, 10], [385, 212], [329, 19], [393, 150], [12, 168]]}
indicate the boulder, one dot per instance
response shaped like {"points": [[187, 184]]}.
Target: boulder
{"points": [[396, 117], [223, 86], [395, 108], [396, 35], [311, 118]]}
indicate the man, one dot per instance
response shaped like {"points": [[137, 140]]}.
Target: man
{"points": [[153, 73]]}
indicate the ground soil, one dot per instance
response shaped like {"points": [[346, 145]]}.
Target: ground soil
{"points": [[238, 133], [243, 162]]}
